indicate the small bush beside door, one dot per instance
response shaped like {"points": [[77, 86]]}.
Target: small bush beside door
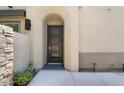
{"points": [[24, 77]]}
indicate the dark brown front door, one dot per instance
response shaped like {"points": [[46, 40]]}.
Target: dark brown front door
{"points": [[55, 44]]}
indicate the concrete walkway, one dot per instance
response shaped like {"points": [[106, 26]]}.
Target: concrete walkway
{"points": [[66, 78]]}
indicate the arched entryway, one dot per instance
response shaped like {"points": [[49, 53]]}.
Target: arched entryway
{"points": [[43, 16], [54, 35]]}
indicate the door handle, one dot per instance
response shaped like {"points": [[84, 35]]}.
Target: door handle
{"points": [[49, 48]]}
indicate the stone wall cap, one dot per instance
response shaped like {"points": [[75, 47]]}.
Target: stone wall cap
{"points": [[6, 28]]}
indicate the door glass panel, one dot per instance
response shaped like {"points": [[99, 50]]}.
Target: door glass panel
{"points": [[55, 54], [54, 43], [55, 48]]}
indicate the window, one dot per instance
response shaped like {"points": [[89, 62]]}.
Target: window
{"points": [[14, 24]]}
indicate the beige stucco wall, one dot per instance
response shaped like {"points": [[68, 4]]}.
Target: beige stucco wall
{"points": [[91, 35], [71, 32], [101, 29], [104, 61], [101, 37], [21, 52]]}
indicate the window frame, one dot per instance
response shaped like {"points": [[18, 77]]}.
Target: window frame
{"points": [[12, 22], [21, 19]]}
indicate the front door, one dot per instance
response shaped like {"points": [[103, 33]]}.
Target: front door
{"points": [[55, 44]]}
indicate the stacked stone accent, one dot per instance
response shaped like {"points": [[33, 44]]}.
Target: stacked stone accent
{"points": [[6, 55]]}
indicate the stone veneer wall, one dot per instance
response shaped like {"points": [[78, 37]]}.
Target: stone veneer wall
{"points": [[6, 55]]}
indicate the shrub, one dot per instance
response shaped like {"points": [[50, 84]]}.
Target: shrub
{"points": [[23, 78], [30, 68]]}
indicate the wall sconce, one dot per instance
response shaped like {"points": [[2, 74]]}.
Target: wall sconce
{"points": [[27, 24]]}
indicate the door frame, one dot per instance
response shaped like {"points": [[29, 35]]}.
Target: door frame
{"points": [[62, 61]]}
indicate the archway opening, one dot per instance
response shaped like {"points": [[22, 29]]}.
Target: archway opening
{"points": [[54, 39]]}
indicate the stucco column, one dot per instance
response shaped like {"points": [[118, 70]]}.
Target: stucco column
{"points": [[73, 64], [74, 39], [36, 36]]}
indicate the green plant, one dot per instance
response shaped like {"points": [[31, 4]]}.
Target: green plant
{"points": [[23, 78], [30, 68]]}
